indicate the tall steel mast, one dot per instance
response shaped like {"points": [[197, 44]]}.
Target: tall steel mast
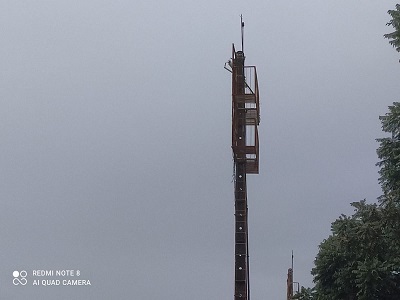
{"points": [[245, 147]]}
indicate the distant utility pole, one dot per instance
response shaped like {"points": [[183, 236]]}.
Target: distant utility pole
{"points": [[290, 283]]}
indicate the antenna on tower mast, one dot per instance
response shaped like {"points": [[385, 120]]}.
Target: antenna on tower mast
{"points": [[242, 30]]}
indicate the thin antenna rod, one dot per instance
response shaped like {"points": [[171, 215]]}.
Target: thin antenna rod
{"points": [[292, 259], [292, 273], [242, 29]]}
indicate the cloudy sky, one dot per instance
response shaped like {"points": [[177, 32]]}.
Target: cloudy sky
{"points": [[115, 140]]}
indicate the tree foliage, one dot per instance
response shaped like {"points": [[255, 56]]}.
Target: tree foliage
{"points": [[360, 259], [394, 37], [389, 155], [305, 294]]}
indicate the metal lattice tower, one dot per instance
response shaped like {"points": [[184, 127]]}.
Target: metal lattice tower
{"points": [[245, 147]]}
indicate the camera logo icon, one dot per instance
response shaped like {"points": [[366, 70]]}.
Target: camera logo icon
{"points": [[20, 277]]}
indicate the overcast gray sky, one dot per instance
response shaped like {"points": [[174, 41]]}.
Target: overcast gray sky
{"points": [[115, 140]]}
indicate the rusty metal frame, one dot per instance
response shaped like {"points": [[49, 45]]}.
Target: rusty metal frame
{"points": [[245, 111]]}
